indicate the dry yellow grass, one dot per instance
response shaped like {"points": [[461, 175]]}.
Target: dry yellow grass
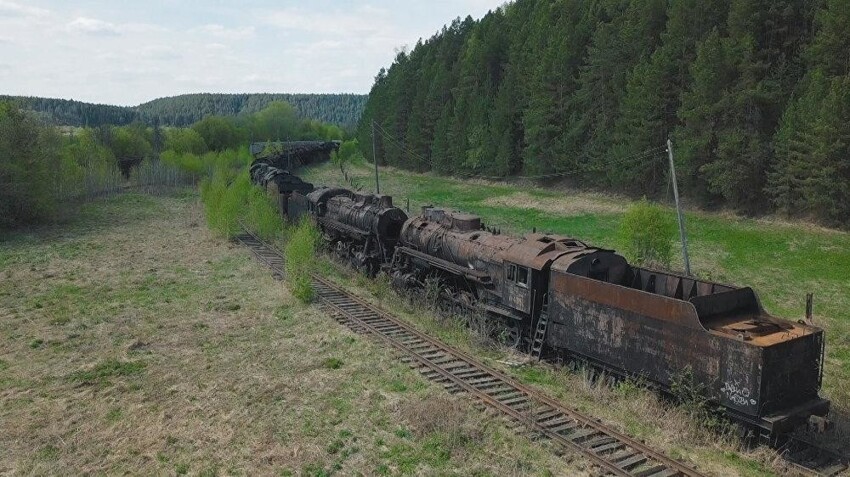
{"points": [[135, 342], [577, 205]]}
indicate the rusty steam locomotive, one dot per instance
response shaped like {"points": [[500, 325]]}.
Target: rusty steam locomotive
{"points": [[561, 297]]}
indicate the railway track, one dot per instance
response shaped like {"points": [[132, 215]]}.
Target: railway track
{"points": [[810, 459], [612, 452]]}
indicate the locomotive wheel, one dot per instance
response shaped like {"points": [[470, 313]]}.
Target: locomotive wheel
{"points": [[448, 306], [512, 337]]}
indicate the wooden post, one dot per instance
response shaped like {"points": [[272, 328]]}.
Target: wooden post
{"points": [[809, 305], [682, 234], [375, 160]]}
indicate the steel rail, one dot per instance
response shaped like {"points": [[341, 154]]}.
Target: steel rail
{"points": [[613, 452], [390, 329], [530, 394]]}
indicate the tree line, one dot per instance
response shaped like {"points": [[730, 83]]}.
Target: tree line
{"points": [[44, 168], [342, 110], [754, 94]]}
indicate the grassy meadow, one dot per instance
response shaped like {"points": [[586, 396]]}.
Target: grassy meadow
{"points": [[134, 340], [137, 340], [782, 261]]}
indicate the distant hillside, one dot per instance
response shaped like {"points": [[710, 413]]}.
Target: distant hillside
{"points": [[341, 109]]}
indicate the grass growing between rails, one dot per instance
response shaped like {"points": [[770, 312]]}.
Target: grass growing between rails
{"points": [[781, 261], [134, 340]]}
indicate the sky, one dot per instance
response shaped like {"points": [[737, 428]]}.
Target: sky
{"points": [[129, 52]]}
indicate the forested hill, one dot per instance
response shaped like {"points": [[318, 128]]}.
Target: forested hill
{"points": [[341, 109], [755, 95]]}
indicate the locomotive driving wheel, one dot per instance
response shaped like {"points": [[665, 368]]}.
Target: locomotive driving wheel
{"points": [[446, 303], [511, 336]]}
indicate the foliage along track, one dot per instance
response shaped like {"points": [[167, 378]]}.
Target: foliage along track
{"points": [[543, 417]]}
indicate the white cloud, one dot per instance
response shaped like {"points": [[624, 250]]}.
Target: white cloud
{"points": [[131, 52], [159, 52], [220, 31], [14, 9], [93, 26], [361, 20]]}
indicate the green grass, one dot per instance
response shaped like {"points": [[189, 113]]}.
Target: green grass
{"points": [[300, 254], [108, 369], [133, 341]]}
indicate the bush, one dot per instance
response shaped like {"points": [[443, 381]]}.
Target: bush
{"points": [[262, 216], [225, 196], [207, 165], [647, 233], [231, 202], [152, 174], [300, 254]]}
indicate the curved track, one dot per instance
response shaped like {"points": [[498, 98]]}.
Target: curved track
{"points": [[611, 452]]}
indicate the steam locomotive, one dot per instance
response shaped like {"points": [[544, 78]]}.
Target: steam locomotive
{"points": [[558, 296]]}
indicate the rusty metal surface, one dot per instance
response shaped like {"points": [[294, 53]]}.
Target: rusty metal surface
{"points": [[632, 320], [265, 175], [517, 267], [657, 337], [374, 214]]}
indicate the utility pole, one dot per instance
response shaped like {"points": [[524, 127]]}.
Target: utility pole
{"points": [[682, 234], [375, 160]]}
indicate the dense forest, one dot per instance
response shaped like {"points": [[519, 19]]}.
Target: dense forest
{"points": [[343, 110], [754, 94]]}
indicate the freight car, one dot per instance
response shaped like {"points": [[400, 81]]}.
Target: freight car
{"points": [[558, 296], [279, 183]]}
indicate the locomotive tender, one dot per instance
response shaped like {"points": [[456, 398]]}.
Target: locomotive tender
{"points": [[558, 294]]}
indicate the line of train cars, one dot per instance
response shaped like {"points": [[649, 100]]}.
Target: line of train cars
{"points": [[555, 294]]}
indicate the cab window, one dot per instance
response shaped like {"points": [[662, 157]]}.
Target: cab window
{"points": [[511, 272], [522, 277]]}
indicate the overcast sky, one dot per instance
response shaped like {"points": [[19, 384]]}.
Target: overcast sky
{"points": [[129, 52]]}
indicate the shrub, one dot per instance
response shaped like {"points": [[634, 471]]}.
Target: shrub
{"points": [[262, 216], [225, 198], [152, 174], [300, 254], [647, 233]]}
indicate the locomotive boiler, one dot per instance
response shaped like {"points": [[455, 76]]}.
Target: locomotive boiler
{"points": [[505, 276], [360, 228]]}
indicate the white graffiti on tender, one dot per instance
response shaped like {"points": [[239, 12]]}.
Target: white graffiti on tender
{"points": [[737, 393]]}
